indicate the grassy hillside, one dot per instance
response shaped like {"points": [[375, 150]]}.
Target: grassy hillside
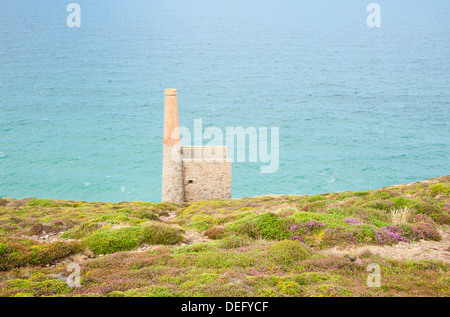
{"points": [[259, 246]]}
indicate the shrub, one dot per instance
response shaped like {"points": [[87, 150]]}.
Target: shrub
{"points": [[287, 252], [315, 198], [145, 214], [248, 228], [390, 234], [116, 218], [199, 226], [232, 242], [305, 228], [380, 195], [385, 205], [22, 252], [338, 235], [400, 216], [439, 189], [266, 226], [364, 233], [406, 233], [158, 233], [192, 248], [81, 231], [271, 227], [316, 206], [401, 202], [165, 206], [40, 202], [214, 233], [106, 241], [378, 218], [420, 218], [432, 209], [422, 230], [37, 285], [352, 221]]}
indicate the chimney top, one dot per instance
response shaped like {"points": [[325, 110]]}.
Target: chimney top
{"points": [[170, 92]]}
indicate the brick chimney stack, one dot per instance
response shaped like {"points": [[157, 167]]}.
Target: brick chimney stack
{"points": [[172, 178]]}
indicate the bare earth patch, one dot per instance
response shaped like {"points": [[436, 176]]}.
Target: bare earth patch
{"points": [[172, 214], [192, 236], [416, 250]]}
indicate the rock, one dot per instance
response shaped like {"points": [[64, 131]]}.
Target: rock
{"points": [[39, 229], [6, 278], [359, 261], [89, 253], [102, 224], [430, 266], [192, 236], [16, 203]]}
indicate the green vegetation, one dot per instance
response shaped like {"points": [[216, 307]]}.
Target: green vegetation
{"points": [[22, 252], [109, 241], [233, 242], [287, 252], [158, 233], [260, 246]]}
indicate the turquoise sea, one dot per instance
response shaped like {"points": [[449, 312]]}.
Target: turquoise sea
{"points": [[81, 109]]}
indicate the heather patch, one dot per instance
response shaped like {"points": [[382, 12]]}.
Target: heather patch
{"points": [[214, 232], [422, 230], [37, 285], [352, 222], [23, 252], [385, 205], [338, 235], [389, 235], [433, 209]]}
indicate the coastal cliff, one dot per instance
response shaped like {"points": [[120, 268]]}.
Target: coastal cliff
{"points": [[319, 245]]}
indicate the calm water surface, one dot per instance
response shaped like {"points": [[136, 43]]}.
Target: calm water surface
{"points": [[81, 109]]}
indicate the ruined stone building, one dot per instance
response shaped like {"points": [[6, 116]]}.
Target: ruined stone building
{"points": [[191, 173]]}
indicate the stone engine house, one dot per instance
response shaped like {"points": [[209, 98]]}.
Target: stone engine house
{"points": [[191, 173]]}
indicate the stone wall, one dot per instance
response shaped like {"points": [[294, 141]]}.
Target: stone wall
{"points": [[172, 174], [206, 173]]}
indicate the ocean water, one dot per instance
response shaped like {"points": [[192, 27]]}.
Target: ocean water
{"points": [[81, 109]]}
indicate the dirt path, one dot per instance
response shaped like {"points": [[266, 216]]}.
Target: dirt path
{"points": [[418, 250]]}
